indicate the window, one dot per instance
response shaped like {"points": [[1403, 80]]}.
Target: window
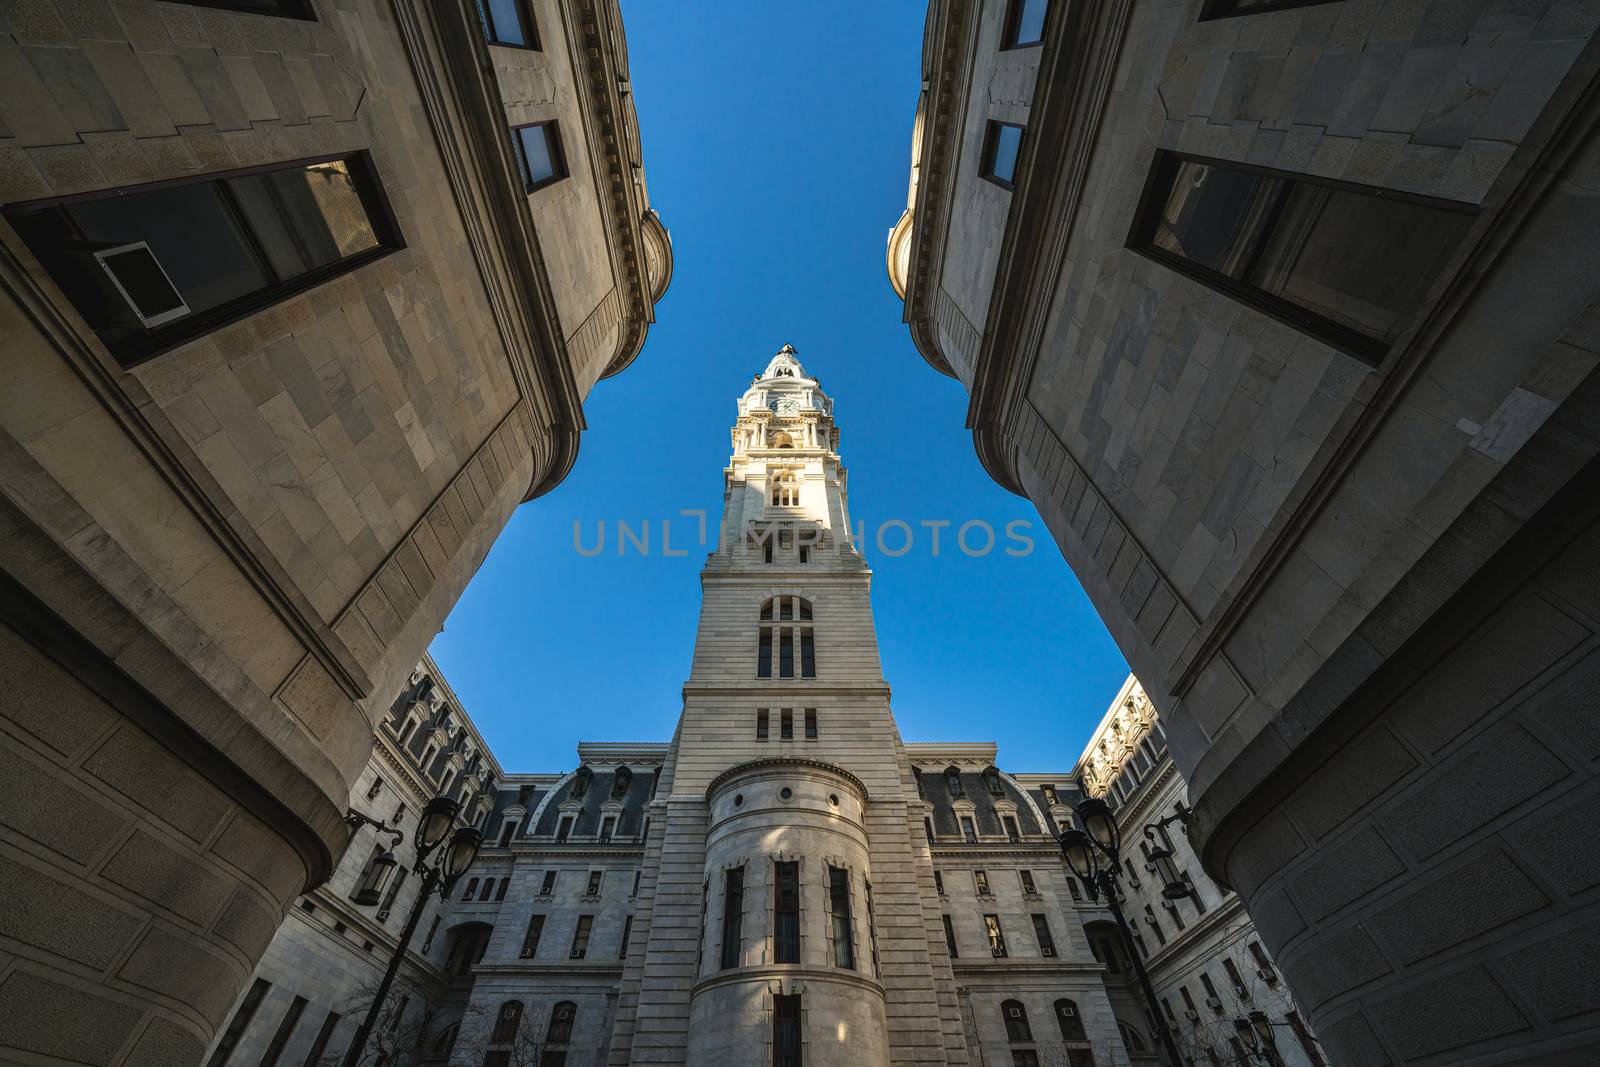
{"points": [[1188, 1003], [761, 724], [399, 1012], [530, 940], [732, 916], [785, 489], [786, 724], [1001, 142], [539, 156], [129, 259], [1307, 1042], [805, 552], [916, 776], [1024, 1057], [872, 930], [1012, 833], [1016, 1019], [508, 829], [1041, 930], [280, 1037], [548, 886], [1069, 1021], [621, 782], [1263, 961], [472, 887], [241, 1019], [562, 1016], [405, 732], [580, 938], [997, 939], [1029, 887], [580, 783], [608, 826], [433, 928], [506, 1022], [1049, 792], [500, 890], [636, 876], [981, 880], [844, 950], [811, 724], [952, 781], [1346, 263], [627, 932], [950, 937], [1151, 921], [1236, 978], [1212, 1000], [786, 913], [488, 889], [289, 9], [788, 609], [1194, 894], [389, 896], [938, 882], [927, 828], [564, 830], [593, 888], [786, 1031], [329, 1024], [991, 782], [1024, 23], [508, 22], [1072, 887], [969, 830]]}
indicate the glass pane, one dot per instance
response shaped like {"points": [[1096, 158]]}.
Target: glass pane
{"points": [[1359, 260], [1213, 216], [208, 273], [507, 22], [1030, 21], [538, 162], [1003, 148], [307, 217]]}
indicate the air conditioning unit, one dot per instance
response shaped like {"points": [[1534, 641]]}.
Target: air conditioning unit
{"points": [[1015, 1013], [1167, 904], [383, 916], [1241, 992], [1214, 1004], [1047, 951], [1267, 975], [575, 954], [998, 953], [1192, 1015]]}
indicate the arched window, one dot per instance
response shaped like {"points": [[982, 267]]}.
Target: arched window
{"points": [[785, 625], [580, 784], [952, 779], [561, 1019], [785, 489], [1071, 1024], [1131, 1037], [506, 1023], [1016, 1017], [621, 782], [446, 1039]]}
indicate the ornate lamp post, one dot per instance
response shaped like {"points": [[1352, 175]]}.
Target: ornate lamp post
{"points": [[449, 864], [1258, 1037], [1080, 848]]}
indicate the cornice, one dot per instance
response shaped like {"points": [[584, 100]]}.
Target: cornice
{"points": [[957, 850], [742, 769], [775, 972]]}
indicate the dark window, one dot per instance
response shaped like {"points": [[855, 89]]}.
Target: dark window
{"points": [[938, 882], [488, 889], [808, 654], [1025, 23], [811, 724], [530, 940], [636, 876], [1214, 1001], [433, 928], [732, 916], [627, 932], [1259, 954], [472, 887], [927, 826], [280, 1037], [952, 780], [1016, 1017], [761, 724], [991, 782], [320, 1045], [1346, 263], [241, 1019], [1071, 1024], [916, 775], [565, 829], [508, 829], [393, 892], [152, 266], [872, 929], [786, 913], [506, 1023], [981, 880], [844, 951], [608, 826], [500, 890], [562, 1017], [1024, 1057], [580, 783], [1151, 921], [539, 155], [508, 22], [580, 938], [968, 830], [1012, 833], [786, 724], [997, 938], [1072, 887], [789, 609], [1049, 792], [950, 937], [290, 9], [1001, 143], [593, 888], [1041, 930], [1028, 885], [548, 885], [621, 782], [786, 1031], [1194, 894], [786, 653], [764, 656]]}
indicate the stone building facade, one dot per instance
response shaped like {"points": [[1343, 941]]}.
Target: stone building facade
{"points": [[1284, 316], [785, 881], [298, 304], [1206, 962]]}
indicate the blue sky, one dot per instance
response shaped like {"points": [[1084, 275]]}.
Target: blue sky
{"points": [[776, 146]]}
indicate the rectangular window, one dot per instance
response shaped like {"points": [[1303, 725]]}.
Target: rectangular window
{"points": [[786, 1031], [1049, 792], [152, 266], [627, 932], [1172, 910], [548, 886], [1024, 1057], [938, 882], [844, 950], [950, 937], [1194, 894], [240, 1021], [805, 553], [636, 876], [280, 1038], [530, 940], [732, 917], [1041, 930], [786, 724], [808, 654], [320, 1045], [608, 826], [539, 155], [1259, 954], [764, 655], [1025, 23], [997, 939], [1212, 999], [872, 930], [580, 939], [564, 830], [500, 890], [593, 888], [508, 22], [1012, 833], [786, 653], [488, 889], [1151, 921], [968, 830], [1001, 143], [811, 724], [1234, 976], [1348, 264], [1028, 885], [927, 827], [761, 724], [433, 928], [786, 913], [981, 880]]}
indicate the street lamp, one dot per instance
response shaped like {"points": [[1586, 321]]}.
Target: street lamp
{"points": [[447, 867], [1174, 886], [1079, 848], [1256, 1034]]}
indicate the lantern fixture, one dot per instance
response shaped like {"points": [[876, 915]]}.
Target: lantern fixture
{"points": [[462, 852], [1098, 820], [377, 877], [1263, 1027], [434, 825], [1078, 849], [1174, 886]]}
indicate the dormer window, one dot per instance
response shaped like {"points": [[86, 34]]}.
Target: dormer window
{"points": [[580, 784], [952, 779], [620, 783], [991, 780]]}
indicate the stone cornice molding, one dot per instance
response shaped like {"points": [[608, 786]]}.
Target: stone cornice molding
{"points": [[1001, 967], [775, 762], [953, 849], [461, 97], [787, 972], [1199, 936], [1069, 101]]}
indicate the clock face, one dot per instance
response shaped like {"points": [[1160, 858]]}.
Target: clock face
{"points": [[787, 406]]}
